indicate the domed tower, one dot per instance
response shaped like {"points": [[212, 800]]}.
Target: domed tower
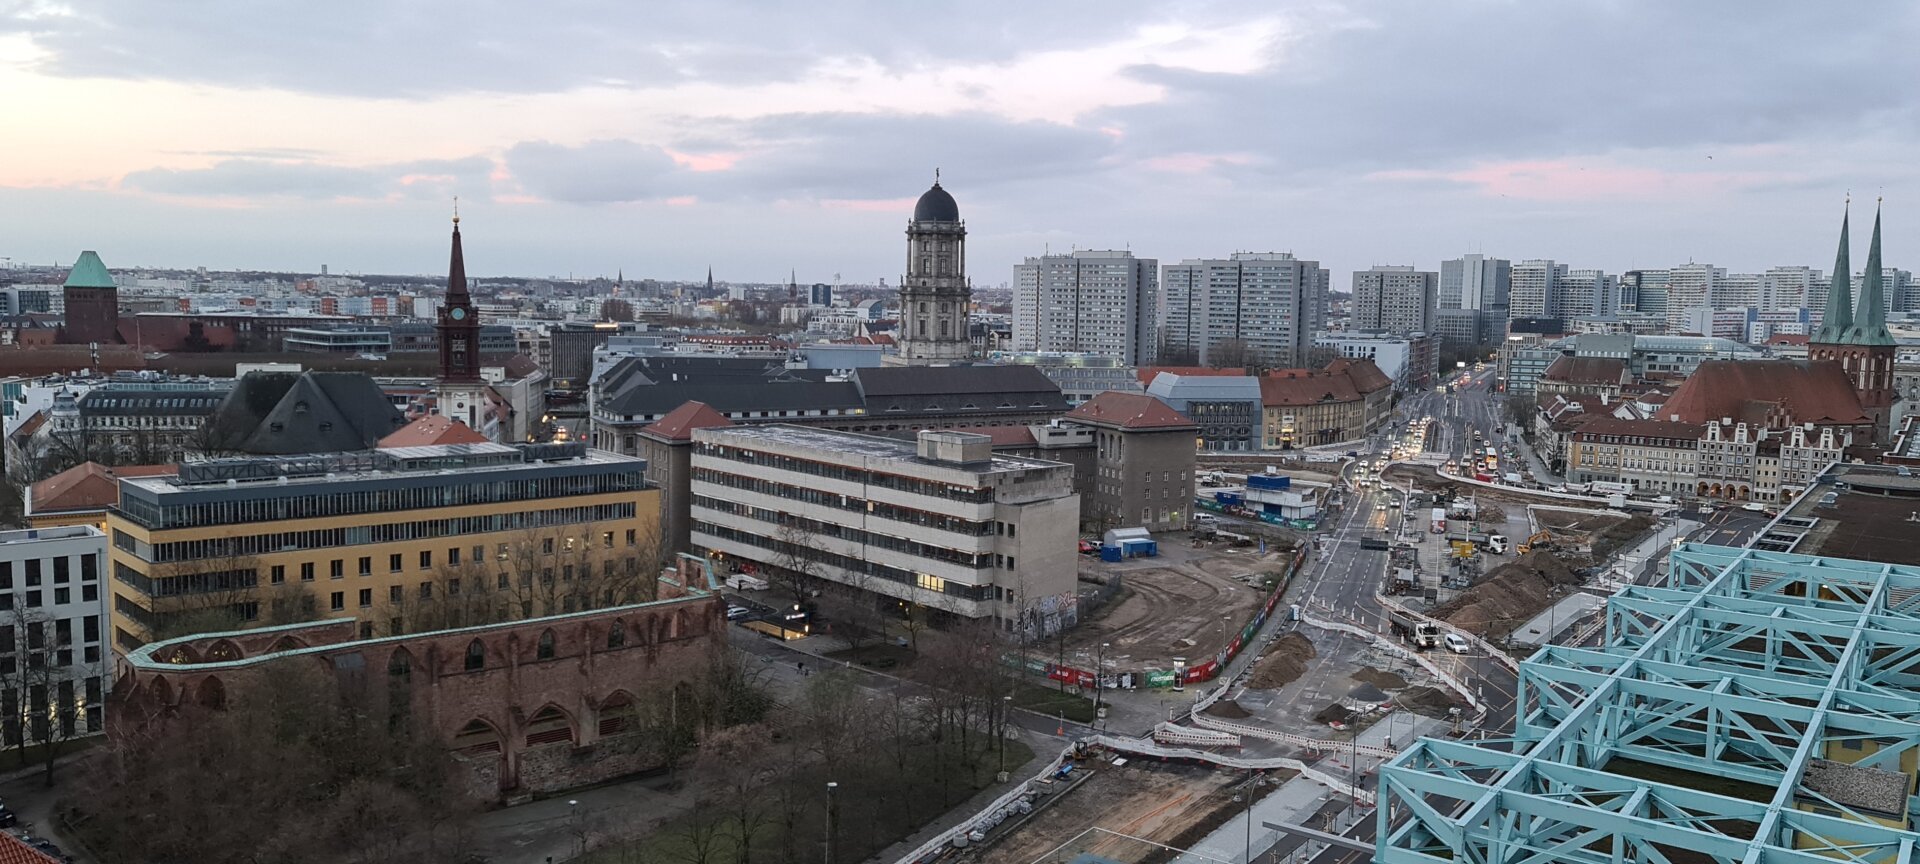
{"points": [[934, 294]]}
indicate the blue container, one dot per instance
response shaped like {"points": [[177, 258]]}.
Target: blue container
{"points": [[1110, 553]]}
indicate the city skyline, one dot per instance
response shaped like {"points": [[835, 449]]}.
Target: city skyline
{"points": [[170, 141]]}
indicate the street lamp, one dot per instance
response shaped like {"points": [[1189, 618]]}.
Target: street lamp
{"points": [[1099, 666], [833, 819], [1006, 716]]}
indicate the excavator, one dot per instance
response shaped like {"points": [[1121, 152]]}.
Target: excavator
{"points": [[1541, 541]]}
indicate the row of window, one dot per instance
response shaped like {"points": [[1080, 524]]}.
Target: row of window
{"points": [[33, 570], [34, 598], [848, 533], [455, 490], [75, 709], [848, 503], [896, 482], [777, 548], [395, 532]]}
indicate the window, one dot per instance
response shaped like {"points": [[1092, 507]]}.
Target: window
{"points": [[545, 649], [33, 572], [501, 554], [279, 574], [396, 594], [479, 554], [1010, 563], [366, 565], [62, 595], [546, 546], [504, 584], [90, 629], [426, 590], [606, 539], [616, 635], [453, 557], [394, 564], [306, 571], [632, 537], [366, 597], [338, 601], [476, 656], [426, 559], [337, 569], [62, 570]]}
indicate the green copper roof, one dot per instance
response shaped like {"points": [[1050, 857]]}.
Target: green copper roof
{"points": [[1870, 317], [88, 272], [1838, 316]]}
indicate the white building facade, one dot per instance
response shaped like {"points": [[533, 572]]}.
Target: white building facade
{"points": [[1087, 302], [55, 660]]}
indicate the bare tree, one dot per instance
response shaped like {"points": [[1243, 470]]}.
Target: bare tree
{"points": [[737, 764], [1228, 353], [216, 589], [798, 558], [43, 707]]}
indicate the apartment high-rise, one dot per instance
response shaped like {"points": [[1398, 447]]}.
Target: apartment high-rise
{"points": [[1087, 301], [1535, 291], [1397, 299], [1260, 307], [1737, 291], [1689, 286], [1583, 293], [1788, 287]]}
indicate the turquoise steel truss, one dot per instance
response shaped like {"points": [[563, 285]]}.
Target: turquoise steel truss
{"points": [[1766, 706]]}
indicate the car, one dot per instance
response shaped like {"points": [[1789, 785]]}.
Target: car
{"points": [[7, 818], [1088, 547], [735, 613], [1458, 644], [1381, 507]]}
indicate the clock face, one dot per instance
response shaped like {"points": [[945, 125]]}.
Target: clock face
{"points": [[458, 314]]}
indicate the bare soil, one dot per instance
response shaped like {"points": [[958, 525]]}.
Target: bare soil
{"points": [[1228, 709], [1187, 609], [1510, 594], [1380, 678], [1428, 701], [1156, 801], [1284, 662]]}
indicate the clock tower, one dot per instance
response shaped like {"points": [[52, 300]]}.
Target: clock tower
{"points": [[460, 392]]}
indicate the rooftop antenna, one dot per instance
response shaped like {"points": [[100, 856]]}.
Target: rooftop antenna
{"points": [[456, 209]]}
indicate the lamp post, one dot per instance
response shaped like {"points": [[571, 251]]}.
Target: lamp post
{"points": [[1006, 716], [1099, 666], [833, 819]]}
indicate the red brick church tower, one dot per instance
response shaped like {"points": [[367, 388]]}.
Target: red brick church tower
{"points": [[1855, 335], [460, 388]]}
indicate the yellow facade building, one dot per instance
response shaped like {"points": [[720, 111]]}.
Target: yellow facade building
{"points": [[405, 539]]}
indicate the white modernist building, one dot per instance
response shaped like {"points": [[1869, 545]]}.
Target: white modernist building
{"points": [[54, 655]]}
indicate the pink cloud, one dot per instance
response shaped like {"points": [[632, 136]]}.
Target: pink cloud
{"points": [[682, 201], [704, 161], [1194, 163], [1562, 180]]}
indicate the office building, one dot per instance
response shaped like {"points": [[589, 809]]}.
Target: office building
{"points": [[1462, 326], [1253, 308], [1143, 467], [1476, 282], [1535, 291], [1395, 299], [820, 294], [1226, 407], [55, 662], [940, 522], [1584, 292], [473, 532], [1409, 361], [1647, 291], [1087, 302]]}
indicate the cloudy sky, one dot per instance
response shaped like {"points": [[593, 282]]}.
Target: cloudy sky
{"points": [[756, 137]]}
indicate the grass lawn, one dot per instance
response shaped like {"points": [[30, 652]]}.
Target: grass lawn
{"points": [[865, 828], [1047, 699]]}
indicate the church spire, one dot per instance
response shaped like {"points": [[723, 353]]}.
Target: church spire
{"points": [[457, 268], [1838, 316], [1870, 316]]}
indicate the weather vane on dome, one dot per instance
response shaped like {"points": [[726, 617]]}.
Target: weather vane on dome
{"points": [[456, 209], [936, 176]]}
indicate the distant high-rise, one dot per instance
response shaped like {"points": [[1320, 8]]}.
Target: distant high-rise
{"points": [[1476, 282], [1098, 302], [1689, 286], [935, 297], [1583, 293], [1647, 290], [1788, 287], [1536, 290], [1397, 299], [1253, 308], [820, 294], [1737, 291]]}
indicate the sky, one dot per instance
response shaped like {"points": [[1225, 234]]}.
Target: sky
{"points": [[763, 139]]}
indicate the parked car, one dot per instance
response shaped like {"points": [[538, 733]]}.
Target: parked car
{"points": [[7, 819], [1088, 547], [735, 613], [1458, 644]]}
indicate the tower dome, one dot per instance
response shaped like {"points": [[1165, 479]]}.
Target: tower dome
{"points": [[936, 205]]}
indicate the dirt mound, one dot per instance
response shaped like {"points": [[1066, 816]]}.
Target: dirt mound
{"points": [[1334, 713], [1508, 595], [1285, 661], [1229, 709], [1379, 678], [1428, 701]]}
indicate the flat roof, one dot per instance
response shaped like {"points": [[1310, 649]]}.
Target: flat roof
{"points": [[1875, 516], [867, 446], [348, 474]]}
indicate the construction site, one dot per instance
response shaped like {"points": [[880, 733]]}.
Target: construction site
{"points": [[1186, 603], [1123, 810]]}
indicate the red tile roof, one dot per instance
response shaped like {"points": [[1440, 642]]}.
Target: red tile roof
{"points": [[1771, 393], [14, 850], [1146, 373], [432, 429], [1642, 428], [1343, 380], [88, 486], [1129, 411], [678, 424]]}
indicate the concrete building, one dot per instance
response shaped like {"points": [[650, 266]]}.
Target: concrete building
{"points": [[935, 296], [940, 522], [1080, 376], [1262, 308], [1536, 289], [667, 445], [1143, 469], [1476, 282], [344, 339], [389, 537], [1689, 286], [1656, 456], [1585, 292], [1463, 326], [1087, 302], [1394, 299], [1408, 360], [55, 661], [1522, 360]]}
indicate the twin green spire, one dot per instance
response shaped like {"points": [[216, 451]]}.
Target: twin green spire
{"points": [[1845, 322]]}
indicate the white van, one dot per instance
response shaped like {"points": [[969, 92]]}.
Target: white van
{"points": [[1205, 519], [1458, 644]]}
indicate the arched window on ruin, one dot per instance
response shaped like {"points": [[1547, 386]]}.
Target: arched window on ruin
{"points": [[544, 651], [617, 634], [286, 643], [399, 689], [162, 692], [400, 668], [182, 654], [212, 694], [477, 738], [476, 656], [223, 651], [548, 726], [618, 715]]}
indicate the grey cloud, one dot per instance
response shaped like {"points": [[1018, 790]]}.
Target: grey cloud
{"points": [[432, 47], [261, 178], [596, 172]]}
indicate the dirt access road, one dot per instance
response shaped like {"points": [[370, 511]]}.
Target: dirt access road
{"points": [[1160, 803], [1186, 603]]}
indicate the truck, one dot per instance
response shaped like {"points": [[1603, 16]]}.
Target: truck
{"points": [[1438, 520], [1512, 478], [743, 582], [1609, 487], [1420, 633], [1495, 543], [1617, 501]]}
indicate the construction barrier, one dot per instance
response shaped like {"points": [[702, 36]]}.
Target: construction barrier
{"points": [[1316, 744], [1388, 645], [1167, 733], [1499, 656], [1144, 747]]}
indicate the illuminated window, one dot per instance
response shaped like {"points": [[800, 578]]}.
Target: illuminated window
{"points": [[933, 583]]}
